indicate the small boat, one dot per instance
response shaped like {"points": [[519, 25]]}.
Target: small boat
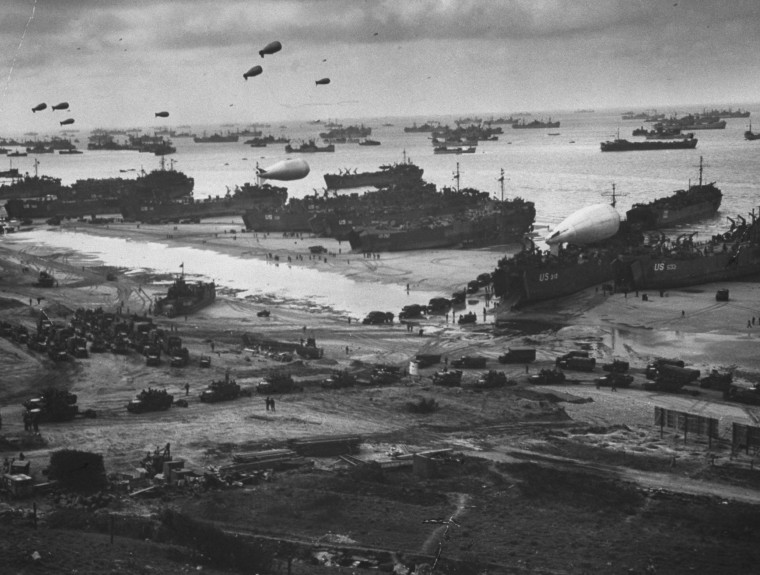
{"points": [[369, 142]]}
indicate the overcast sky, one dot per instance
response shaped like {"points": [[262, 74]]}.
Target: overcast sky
{"points": [[118, 61]]}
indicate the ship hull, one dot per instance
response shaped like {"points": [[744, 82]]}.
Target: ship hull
{"points": [[684, 206], [545, 283], [648, 272], [626, 146], [377, 179], [74, 208], [259, 220], [464, 234]]}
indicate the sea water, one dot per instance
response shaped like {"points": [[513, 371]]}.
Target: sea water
{"points": [[559, 173]]}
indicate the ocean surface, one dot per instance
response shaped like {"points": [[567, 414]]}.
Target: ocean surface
{"points": [[559, 173]]}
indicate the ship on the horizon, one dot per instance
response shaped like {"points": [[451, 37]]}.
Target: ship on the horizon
{"points": [[216, 139], [619, 145], [426, 127], [522, 125], [387, 175], [309, 147]]}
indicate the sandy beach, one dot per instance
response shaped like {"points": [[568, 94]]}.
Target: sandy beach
{"points": [[496, 424]]}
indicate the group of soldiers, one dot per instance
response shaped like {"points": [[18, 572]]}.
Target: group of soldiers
{"points": [[31, 421]]}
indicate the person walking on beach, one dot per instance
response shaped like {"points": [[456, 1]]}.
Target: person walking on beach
{"points": [[267, 400], [187, 389]]}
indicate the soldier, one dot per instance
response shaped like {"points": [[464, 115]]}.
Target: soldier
{"points": [[27, 420], [187, 389], [271, 403]]}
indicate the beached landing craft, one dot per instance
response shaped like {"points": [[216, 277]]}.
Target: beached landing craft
{"points": [[184, 298], [597, 252]]}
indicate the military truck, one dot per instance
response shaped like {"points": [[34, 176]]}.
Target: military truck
{"points": [[654, 366], [470, 361], [518, 355], [54, 405], [577, 363], [448, 378], [339, 379], [412, 311], [222, 390], [616, 366], [717, 380], [439, 305], [547, 376], [492, 379], [151, 400], [384, 374], [277, 382], [614, 379]]}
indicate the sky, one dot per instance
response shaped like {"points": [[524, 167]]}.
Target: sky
{"points": [[117, 62]]}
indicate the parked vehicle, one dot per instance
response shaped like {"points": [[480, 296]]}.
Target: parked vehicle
{"points": [[518, 355], [470, 361], [547, 376], [448, 378], [614, 379], [577, 363], [616, 366]]}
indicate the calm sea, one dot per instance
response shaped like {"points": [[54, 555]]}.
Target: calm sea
{"points": [[560, 173]]}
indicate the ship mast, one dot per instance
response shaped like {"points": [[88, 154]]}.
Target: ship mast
{"points": [[457, 176], [36, 163], [501, 182], [700, 171]]}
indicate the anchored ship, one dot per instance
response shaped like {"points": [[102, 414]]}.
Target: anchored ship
{"points": [[309, 147], [698, 201], [619, 145], [535, 124], [387, 175], [216, 139]]}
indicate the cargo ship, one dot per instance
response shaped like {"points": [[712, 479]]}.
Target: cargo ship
{"points": [[426, 127], [216, 139], [730, 113], [387, 175], [699, 201], [184, 298], [535, 124], [619, 145], [348, 132], [234, 203], [309, 147]]}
